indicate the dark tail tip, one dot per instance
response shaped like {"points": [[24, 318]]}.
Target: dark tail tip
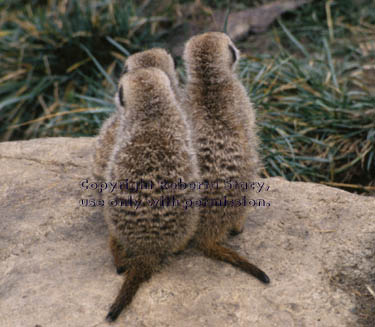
{"points": [[263, 277], [112, 315], [222, 253]]}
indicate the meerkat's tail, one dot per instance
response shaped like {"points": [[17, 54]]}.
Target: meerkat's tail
{"points": [[219, 252], [139, 272]]}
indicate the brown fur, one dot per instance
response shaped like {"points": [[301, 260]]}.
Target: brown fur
{"points": [[224, 137], [152, 145], [105, 142]]}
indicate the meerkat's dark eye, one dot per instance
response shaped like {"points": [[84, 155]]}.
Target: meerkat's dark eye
{"points": [[233, 52], [121, 96]]}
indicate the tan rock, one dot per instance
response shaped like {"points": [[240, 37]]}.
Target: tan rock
{"points": [[315, 242]]}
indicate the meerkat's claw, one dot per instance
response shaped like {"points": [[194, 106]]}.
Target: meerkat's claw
{"points": [[235, 232], [120, 270]]}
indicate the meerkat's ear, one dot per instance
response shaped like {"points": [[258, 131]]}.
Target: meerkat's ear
{"points": [[124, 70], [121, 96], [233, 52]]}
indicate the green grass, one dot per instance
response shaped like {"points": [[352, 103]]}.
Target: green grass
{"points": [[315, 96], [313, 127], [54, 56], [311, 80]]}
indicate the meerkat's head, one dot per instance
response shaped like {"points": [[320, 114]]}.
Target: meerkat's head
{"points": [[211, 53], [156, 57], [144, 91]]}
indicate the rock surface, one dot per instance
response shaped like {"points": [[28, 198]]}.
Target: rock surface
{"points": [[315, 242]]}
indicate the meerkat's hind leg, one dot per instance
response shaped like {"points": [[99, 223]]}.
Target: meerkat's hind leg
{"points": [[222, 253], [139, 272], [119, 255]]}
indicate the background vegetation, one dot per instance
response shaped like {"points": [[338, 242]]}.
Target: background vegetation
{"points": [[311, 76]]}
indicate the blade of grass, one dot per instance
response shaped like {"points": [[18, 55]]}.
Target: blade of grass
{"points": [[330, 63], [99, 66], [118, 46], [293, 39]]}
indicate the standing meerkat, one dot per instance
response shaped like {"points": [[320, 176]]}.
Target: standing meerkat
{"points": [[224, 138], [152, 145], [105, 142]]}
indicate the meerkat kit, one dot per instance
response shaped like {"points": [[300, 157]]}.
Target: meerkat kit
{"points": [[159, 132]]}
